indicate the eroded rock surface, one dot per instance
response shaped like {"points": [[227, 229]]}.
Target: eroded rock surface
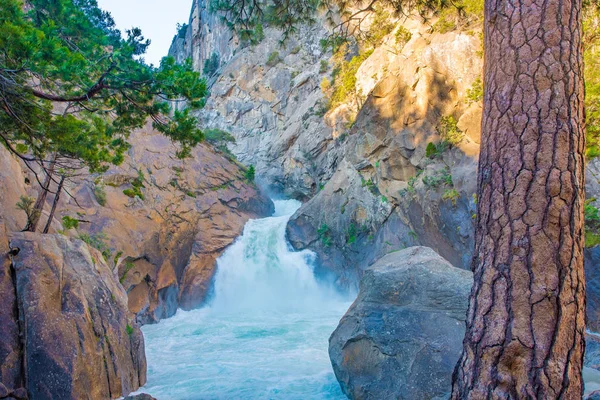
{"points": [[77, 337], [11, 357], [160, 222], [402, 336]]}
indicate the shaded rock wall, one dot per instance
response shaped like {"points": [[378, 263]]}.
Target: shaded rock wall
{"points": [[403, 334], [11, 358], [408, 322], [274, 110], [76, 337]]}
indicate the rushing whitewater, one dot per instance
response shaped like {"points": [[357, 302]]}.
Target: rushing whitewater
{"points": [[264, 333]]}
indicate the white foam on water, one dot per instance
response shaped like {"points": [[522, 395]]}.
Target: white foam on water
{"points": [[264, 333]]}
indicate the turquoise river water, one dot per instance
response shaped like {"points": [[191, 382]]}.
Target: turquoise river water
{"points": [[264, 333]]}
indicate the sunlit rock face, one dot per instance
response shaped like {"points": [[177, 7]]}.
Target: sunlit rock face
{"points": [[275, 112], [363, 151], [162, 247], [76, 337]]}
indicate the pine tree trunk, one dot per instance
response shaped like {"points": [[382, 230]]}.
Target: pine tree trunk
{"points": [[526, 318], [41, 199], [54, 204]]}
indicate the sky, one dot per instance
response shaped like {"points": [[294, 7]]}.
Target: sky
{"points": [[156, 18]]}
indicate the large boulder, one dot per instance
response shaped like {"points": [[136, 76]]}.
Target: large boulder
{"points": [[77, 337], [403, 335]]}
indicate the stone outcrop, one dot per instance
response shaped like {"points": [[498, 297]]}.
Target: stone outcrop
{"points": [[76, 337], [268, 106], [350, 224], [403, 334], [159, 221], [275, 112], [408, 322]]}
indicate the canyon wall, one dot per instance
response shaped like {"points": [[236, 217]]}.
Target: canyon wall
{"points": [[376, 171]]}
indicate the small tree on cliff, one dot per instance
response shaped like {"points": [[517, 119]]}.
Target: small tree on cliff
{"points": [[526, 318], [71, 90]]}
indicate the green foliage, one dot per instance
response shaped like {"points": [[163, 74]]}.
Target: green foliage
{"points": [[324, 235], [218, 136], [403, 36], [69, 223], [325, 85], [323, 67], [273, 59], [252, 35], [592, 224], [245, 17], [343, 87], [250, 173], [380, 27], [117, 256], [431, 150], [591, 28], [129, 330], [219, 139], [181, 30], [137, 185], [384, 199], [128, 267], [444, 25], [257, 35], [449, 131], [410, 188], [472, 7], [442, 177], [26, 204], [97, 241], [475, 93], [211, 65], [100, 194], [352, 233], [452, 195], [369, 184], [67, 54]]}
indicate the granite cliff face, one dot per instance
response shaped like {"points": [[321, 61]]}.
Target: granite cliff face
{"points": [[374, 171], [66, 329], [160, 222], [363, 165], [147, 239]]}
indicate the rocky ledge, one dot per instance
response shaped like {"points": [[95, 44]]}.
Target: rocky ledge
{"points": [[66, 330]]}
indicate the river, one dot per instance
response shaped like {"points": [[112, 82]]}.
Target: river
{"points": [[262, 335]]}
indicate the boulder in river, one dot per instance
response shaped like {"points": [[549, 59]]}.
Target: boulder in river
{"points": [[403, 335]]}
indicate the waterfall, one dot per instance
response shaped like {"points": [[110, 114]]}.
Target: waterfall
{"points": [[263, 333]]}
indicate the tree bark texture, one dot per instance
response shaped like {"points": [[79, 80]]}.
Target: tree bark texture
{"points": [[54, 204], [526, 317], [41, 199]]}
